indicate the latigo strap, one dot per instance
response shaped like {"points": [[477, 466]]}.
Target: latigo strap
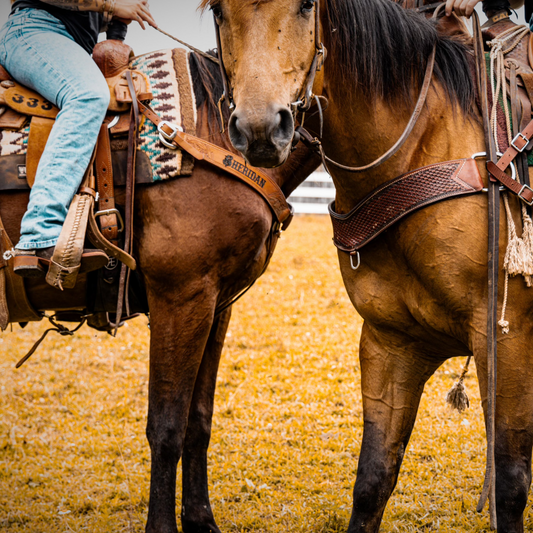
{"points": [[497, 170]]}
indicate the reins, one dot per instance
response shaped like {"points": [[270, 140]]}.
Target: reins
{"points": [[317, 142], [489, 485], [190, 47]]}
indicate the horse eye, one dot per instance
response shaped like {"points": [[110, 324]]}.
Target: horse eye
{"points": [[307, 6], [217, 11]]}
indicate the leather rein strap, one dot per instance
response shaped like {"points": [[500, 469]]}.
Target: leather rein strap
{"points": [[489, 486], [227, 161], [405, 135], [497, 170]]}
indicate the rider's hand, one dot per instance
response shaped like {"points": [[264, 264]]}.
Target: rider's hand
{"points": [[134, 10], [462, 8]]}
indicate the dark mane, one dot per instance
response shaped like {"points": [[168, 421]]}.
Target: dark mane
{"points": [[383, 48], [208, 87]]}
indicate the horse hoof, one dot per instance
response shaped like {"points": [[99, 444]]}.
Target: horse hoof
{"points": [[193, 527]]}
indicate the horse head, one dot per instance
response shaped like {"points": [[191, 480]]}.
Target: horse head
{"points": [[269, 55]]}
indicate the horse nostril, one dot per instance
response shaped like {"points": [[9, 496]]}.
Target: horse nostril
{"points": [[237, 132], [283, 130]]}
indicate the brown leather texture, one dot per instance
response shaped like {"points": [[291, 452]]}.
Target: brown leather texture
{"points": [[106, 189], [12, 120], [13, 173], [112, 57], [399, 197], [28, 102], [231, 163], [66, 261], [15, 296], [4, 74], [4, 311], [40, 129]]}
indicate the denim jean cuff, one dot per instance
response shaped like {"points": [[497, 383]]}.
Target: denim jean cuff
{"points": [[36, 245]]}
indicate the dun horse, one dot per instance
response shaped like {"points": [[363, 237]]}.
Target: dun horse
{"points": [[421, 286], [199, 242]]}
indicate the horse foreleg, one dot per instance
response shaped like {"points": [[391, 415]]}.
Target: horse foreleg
{"points": [[393, 372], [514, 427], [196, 513], [179, 333]]}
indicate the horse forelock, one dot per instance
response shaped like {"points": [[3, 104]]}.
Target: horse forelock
{"points": [[205, 4], [384, 48]]}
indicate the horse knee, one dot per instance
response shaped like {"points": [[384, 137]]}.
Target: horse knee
{"points": [[165, 439]]}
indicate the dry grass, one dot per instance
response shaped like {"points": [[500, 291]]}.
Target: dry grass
{"points": [[286, 433]]}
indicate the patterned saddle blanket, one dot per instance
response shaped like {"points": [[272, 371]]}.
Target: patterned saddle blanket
{"points": [[169, 76]]}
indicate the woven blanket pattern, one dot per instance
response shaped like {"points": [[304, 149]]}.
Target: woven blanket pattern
{"points": [[162, 69], [170, 80], [14, 142]]}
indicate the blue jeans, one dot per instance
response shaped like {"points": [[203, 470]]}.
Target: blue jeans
{"points": [[37, 50]]}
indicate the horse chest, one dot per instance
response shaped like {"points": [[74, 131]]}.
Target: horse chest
{"points": [[423, 276]]}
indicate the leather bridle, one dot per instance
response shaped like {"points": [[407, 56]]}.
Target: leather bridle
{"points": [[305, 98], [317, 143]]}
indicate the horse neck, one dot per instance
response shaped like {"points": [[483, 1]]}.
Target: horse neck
{"points": [[357, 132]]}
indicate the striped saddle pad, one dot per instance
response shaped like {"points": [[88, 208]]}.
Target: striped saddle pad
{"points": [[171, 85]]}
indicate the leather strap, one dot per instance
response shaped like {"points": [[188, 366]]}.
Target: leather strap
{"points": [[518, 145], [99, 241], [489, 485], [130, 196], [397, 198], [29, 102], [524, 193], [106, 189], [231, 163]]}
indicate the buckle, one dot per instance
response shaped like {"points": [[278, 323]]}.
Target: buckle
{"points": [[166, 138], [524, 138], [524, 187], [108, 212]]}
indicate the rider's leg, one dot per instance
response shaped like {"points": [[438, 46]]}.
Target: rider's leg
{"points": [[37, 51]]}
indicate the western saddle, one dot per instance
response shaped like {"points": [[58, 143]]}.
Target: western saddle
{"points": [[102, 228], [106, 228]]}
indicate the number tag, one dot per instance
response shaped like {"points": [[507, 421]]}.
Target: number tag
{"points": [[28, 102]]}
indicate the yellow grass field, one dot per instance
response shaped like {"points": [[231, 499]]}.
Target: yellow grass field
{"points": [[286, 433]]}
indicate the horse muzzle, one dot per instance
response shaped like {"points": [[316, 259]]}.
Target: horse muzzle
{"points": [[265, 143]]}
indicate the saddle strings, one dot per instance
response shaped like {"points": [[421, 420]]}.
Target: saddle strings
{"points": [[519, 254]]}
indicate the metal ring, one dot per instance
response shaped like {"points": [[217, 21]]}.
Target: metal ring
{"points": [[499, 154], [355, 267], [113, 123]]}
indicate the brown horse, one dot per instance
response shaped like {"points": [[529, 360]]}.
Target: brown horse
{"points": [[200, 240], [422, 285]]}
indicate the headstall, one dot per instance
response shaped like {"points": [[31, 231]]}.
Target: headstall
{"points": [[305, 99]]}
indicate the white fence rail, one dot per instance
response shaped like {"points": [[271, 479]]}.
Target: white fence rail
{"points": [[313, 195]]}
